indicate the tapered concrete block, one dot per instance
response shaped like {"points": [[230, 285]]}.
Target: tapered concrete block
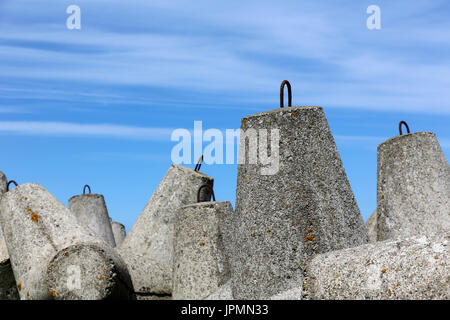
{"points": [[223, 293], [413, 187], [201, 263], [90, 210], [371, 226], [52, 255], [408, 269], [119, 232], [284, 216], [148, 247]]}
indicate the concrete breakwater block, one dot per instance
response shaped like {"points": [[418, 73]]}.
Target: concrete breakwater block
{"points": [[305, 208], [90, 210], [148, 247], [52, 255], [371, 225], [409, 268], [8, 289], [413, 195], [201, 263], [119, 232]]}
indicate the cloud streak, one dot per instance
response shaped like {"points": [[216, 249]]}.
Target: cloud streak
{"points": [[59, 129]]}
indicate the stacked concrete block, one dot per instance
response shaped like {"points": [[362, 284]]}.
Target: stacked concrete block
{"points": [[8, 289], [119, 232], [283, 217], [54, 257], [90, 210], [413, 187], [409, 268], [371, 225], [148, 247], [201, 262]]}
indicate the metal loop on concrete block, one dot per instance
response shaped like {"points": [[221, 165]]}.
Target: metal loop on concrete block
{"points": [[84, 189], [199, 164], [210, 189], [12, 181], [400, 127], [285, 82]]}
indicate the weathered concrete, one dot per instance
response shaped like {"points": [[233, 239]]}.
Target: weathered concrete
{"points": [[148, 247], [52, 256], [413, 187], [90, 210], [291, 294], [412, 268], [119, 233], [3, 183], [8, 289], [201, 263], [371, 226], [305, 208], [223, 293]]}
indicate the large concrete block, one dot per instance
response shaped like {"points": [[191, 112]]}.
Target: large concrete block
{"points": [[407, 269], [371, 225], [201, 263], [90, 210], [413, 187], [119, 232], [54, 257], [305, 208], [148, 247]]}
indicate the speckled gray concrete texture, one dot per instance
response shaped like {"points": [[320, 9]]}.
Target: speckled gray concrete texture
{"points": [[8, 288], [148, 247], [3, 183], [119, 233], [200, 259], [90, 210], [54, 257], [306, 208], [371, 226], [413, 187], [412, 268], [223, 293], [291, 294]]}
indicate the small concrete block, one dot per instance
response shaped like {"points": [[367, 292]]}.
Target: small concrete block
{"points": [[371, 225], [148, 247], [200, 258], [408, 269], [3, 183], [413, 187], [90, 210], [305, 208], [119, 232], [223, 293], [54, 257]]}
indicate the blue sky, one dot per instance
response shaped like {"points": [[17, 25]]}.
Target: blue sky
{"points": [[97, 105]]}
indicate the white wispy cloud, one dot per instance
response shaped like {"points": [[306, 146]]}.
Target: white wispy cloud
{"points": [[58, 129]]}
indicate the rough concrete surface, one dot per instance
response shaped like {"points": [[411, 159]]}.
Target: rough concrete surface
{"points": [[413, 187], [3, 183], [224, 292], [119, 233], [54, 257], [90, 210], [371, 225], [306, 208], [201, 263], [412, 268], [148, 247]]}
